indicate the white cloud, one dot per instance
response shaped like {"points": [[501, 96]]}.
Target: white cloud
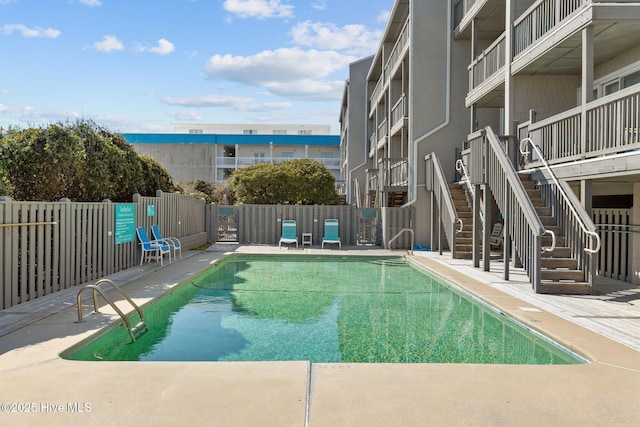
{"points": [[185, 116], [49, 33], [280, 65], [260, 9], [29, 114], [207, 101], [319, 5], [353, 38], [108, 44], [264, 107], [164, 47], [7, 1], [287, 72], [313, 90], [384, 16], [92, 3], [236, 103]]}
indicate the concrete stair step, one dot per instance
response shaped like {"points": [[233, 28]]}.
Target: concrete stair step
{"points": [[573, 288], [551, 263], [558, 252], [547, 219], [566, 275], [547, 240]]}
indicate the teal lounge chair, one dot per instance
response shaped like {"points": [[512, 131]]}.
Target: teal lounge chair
{"points": [[331, 233], [289, 233], [172, 242], [151, 249]]}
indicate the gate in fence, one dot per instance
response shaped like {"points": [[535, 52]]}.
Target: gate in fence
{"points": [[368, 221], [227, 229]]}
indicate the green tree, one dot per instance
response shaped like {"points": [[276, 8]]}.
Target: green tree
{"points": [[220, 193], [81, 161], [301, 181]]}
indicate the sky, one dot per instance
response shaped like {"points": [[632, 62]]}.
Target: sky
{"points": [[145, 65]]}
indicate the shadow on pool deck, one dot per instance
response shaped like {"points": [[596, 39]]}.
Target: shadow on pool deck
{"points": [[603, 392]]}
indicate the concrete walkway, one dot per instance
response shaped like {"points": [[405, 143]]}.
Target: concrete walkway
{"points": [[39, 388]]}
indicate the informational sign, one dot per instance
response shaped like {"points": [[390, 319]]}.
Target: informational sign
{"points": [[125, 223], [151, 210]]}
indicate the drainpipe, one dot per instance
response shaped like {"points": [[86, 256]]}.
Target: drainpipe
{"points": [[413, 189]]}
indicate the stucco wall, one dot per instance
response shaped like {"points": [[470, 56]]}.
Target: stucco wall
{"points": [[548, 95]]}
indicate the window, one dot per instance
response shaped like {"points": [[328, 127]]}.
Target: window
{"points": [[624, 78], [631, 79], [287, 155], [250, 131], [304, 132], [279, 132], [195, 131]]}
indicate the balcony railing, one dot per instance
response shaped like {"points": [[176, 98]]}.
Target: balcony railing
{"points": [[383, 132], [395, 172], [399, 110], [395, 56], [372, 180], [539, 19], [231, 162], [612, 126], [377, 92], [488, 63]]}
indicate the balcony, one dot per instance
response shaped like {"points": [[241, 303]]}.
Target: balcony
{"points": [[377, 93], [485, 71], [612, 127], [395, 174], [383, 132], [231, 162], [399, 114], [372, 180], [398, 50], [542, 17]]}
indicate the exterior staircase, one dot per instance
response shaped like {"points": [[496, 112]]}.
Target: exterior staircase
{"points": [[464, 238], [560, 273], [396, 199]]}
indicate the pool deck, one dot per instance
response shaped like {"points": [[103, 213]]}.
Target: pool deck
{"points": [[39, 388]]}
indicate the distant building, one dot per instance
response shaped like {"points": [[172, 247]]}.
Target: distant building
{"points": [[252, 129], [214, 156]]}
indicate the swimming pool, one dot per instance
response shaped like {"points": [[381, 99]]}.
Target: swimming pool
{"points": [[324, 309]]}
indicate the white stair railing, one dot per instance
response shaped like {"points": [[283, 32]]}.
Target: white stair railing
{"points": [[437, 184], [575, 222]]}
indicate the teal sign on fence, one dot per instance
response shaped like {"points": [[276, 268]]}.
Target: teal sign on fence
{"points": [[151, 210], [125, 223]]}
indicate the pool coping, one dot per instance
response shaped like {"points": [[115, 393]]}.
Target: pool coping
{"points": [[301, 393]]}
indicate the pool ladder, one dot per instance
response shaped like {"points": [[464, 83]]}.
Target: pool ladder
{"points": [[134, 331]]}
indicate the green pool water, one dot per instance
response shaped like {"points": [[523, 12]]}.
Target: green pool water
{"points": [[324, 309]]}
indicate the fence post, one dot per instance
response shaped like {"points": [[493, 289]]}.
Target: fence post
{"points": [[7, 264]]}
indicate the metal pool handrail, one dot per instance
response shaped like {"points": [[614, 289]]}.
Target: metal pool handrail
{"points": [[393, 239], [97, 290]]}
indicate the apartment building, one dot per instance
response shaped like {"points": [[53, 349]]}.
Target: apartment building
{"points": [[556, 79], [414, 105], [353, 132], [214, 157]]}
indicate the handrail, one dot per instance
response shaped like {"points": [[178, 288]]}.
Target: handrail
{"points": [[393, 239], [447, 199], [525, 152], [491, 165], [448, 217], [462, 170], [97, 290]]}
